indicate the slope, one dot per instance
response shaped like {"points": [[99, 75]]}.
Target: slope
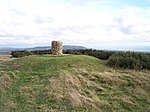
{"points": [[71, 83]]}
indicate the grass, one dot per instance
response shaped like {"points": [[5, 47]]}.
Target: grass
{"points": [[72, 84]]}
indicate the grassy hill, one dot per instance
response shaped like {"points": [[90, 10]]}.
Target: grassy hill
{"points": [[71, 83]]}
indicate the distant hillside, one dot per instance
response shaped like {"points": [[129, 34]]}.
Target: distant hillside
{"points": [[65, 47], [7, 51]]}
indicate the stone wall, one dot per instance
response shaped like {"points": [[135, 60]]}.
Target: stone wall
{"points": [[56, 48]]}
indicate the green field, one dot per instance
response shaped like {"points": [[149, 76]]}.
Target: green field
{"points": [[71, 84]]}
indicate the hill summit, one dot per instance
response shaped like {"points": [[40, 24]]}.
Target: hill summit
{"points": [[71, 83]]}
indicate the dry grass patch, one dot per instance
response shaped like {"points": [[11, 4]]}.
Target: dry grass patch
{"points": [[30, 91], [5, 82], [71, 88], [67, 86], [111, 77], [8, 105], [128, 100], [5, 58], [141, 93]]}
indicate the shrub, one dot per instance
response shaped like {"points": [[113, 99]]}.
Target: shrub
{"points": [[23, 53], [130, 60], [104, 55]]}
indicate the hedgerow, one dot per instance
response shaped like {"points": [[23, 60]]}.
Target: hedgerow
{"points": [[125, 60], [130, 60]]}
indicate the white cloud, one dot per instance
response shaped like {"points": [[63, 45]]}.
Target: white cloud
{"points": [[33, 22]]}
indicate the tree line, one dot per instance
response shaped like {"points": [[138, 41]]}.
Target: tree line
{"points": [[115, 59]]}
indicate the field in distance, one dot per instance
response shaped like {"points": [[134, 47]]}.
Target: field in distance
{"points": [[5, 58]]}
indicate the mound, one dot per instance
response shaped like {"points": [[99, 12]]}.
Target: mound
{"points": [[71, 83]]}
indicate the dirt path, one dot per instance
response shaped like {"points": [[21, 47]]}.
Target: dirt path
{"points": [[5, 58]]}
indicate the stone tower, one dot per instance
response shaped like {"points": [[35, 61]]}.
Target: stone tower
{"points": [[56, 48]]}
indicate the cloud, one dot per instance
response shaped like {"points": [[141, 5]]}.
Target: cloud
{"points": [[89, 22], [79, 2], [39, 20], [88, 2], [126, 29], [16, 11]]}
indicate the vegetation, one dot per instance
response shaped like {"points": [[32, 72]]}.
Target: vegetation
{"points": [[104, 55], [130, 60], [17, 54], [125, 60], [72, 83]]}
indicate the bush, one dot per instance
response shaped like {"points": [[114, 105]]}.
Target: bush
{"points": [[130, 60], [126, 60], [104, 55], [17, 54], [23, 53]]}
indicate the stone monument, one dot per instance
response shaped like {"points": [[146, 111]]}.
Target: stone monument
{"points": [[56, 48]]}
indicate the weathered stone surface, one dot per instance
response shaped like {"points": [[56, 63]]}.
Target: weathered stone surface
{"points": [[56, 48]]}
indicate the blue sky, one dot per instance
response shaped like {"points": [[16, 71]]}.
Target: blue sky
{"points": [[91, 23]]}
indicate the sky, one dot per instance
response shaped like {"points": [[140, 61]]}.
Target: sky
{"points": [[89, 23]]}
